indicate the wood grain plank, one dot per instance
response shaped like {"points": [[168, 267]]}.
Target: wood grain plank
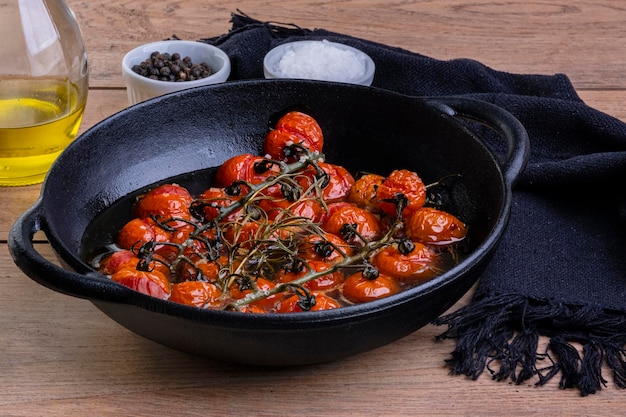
{"points": [[68, 358], [584, 39]]}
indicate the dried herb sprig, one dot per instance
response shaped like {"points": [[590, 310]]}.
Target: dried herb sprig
{"points": [[274, 244]]}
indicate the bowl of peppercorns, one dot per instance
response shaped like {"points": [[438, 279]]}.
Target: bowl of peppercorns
{"points": [[159, 68]]}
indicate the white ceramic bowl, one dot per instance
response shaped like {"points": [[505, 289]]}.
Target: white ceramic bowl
{"points": [[140, 88], [319, 60]]}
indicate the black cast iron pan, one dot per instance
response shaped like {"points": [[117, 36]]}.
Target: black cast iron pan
{"points": [[366, 129]]}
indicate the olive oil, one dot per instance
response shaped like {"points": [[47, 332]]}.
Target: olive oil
{"points": [[38, 119]]}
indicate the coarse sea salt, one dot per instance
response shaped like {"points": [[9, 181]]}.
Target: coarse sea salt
{"points": [[321, 61]]}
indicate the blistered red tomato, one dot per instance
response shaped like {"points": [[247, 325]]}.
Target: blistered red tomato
{"points": [[165, 202], [326, 247], [122, 259], [252, 309], [322, 283], [244, 235], [293, 128], [253, 169], [240, 289], [364, 192], [118, 260], [204, 269], [348, 216], [336, 185], [436, 227], [418, 265], [139, 231], [214, 199], [152, 283], [196, 293], [399, 183], [359, 289], [294, 303], [281, 208]]}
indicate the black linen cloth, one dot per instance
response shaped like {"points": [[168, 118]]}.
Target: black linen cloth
{"points": [[560, 269]]}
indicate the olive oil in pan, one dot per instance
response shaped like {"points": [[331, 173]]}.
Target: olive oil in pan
{"points": [[38, 119]]}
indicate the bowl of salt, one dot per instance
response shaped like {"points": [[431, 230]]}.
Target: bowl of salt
{"points": [[319, 60]]}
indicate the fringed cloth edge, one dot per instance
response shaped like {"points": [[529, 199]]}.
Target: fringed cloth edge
{"points": [[501, 333]]}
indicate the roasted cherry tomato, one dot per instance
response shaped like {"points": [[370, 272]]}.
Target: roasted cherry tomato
{"points": [[346, 216], [359, 289], [281, 208], [196, 293], [140, 230], [127, 259], [293, 128], [204, 269], [247, 167], [252, 310], [183, 235], [245, 234], [339, 181], [165, 202], [310, 209], [210, 269], [364, 191], [323, 283], [118, 260], [418, 265], [212, 200], [327, 247], [250, 234], [240, 289], [332, 208], [151, 283], [405, 183], [293, 304], [435, 227]]}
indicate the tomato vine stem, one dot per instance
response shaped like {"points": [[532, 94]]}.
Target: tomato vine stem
{"points": [[274, 242]]}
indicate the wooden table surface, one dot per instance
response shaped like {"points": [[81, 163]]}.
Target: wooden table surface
{"points": [[61, 356]]}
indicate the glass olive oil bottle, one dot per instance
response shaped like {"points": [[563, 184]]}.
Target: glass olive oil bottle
{"points": [[43, 87]]}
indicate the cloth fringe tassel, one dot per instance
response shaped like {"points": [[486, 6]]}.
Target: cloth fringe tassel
{"points": [[501, 334]]}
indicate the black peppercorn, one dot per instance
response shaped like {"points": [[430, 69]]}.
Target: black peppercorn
{"points": [[170, 67]]}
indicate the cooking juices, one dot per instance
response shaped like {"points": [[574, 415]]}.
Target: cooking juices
{"points": [[38, 119]]}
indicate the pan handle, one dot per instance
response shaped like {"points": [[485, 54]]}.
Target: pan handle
{"points": [[89, 285], [498, 119]]}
